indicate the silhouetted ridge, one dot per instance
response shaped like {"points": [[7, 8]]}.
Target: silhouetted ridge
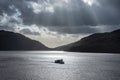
{"points": [[16, 41], [100, 42]]}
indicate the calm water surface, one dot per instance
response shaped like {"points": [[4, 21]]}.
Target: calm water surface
{"points": [[39, 65]]}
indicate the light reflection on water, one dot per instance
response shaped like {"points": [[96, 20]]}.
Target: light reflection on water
{"points": [[36, 65]]}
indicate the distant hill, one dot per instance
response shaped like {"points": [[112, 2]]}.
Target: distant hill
{"points": [[100, 42], [16, 41]]}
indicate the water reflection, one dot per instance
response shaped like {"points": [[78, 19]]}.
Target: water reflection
{"points": [[40, 66]]}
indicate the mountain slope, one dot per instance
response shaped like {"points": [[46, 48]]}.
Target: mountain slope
{"points": [[99, 42], [16, 41]]}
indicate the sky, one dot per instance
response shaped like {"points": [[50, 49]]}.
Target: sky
{"points": [[59, 22]]}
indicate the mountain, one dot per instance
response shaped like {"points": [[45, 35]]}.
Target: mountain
{"points": [[16, 41], [108, 42]]}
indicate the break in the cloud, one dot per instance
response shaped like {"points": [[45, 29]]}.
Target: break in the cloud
{"points": [[56, 19], [80, 14]]}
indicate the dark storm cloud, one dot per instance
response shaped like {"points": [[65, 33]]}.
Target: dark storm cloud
{"points": [[79, 14], [61, 17], [86, 29], [109, 12], [74, 15], [64, 17], [75, 30], [6, 28]]}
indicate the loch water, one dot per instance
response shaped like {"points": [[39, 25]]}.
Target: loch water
{"points": [[39, 65]]}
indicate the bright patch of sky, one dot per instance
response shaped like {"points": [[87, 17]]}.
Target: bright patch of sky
{"points": [[91, 2], [47, 5], [37, 7]]}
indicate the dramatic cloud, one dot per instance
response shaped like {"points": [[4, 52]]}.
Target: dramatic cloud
{"points": [[43, 7], [6, 19], [59, 17]]}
